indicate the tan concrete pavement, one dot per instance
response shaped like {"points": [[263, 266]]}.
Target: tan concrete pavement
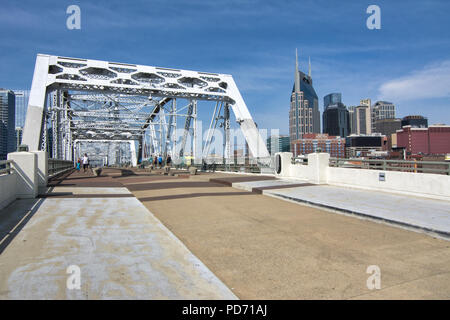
{"points": [[266, 248], [258, 246], [121, 249]]}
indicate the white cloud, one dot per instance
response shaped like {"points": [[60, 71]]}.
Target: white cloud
{"points": [[433, 81]]}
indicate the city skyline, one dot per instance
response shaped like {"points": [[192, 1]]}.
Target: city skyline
{"points": [[253, 46]]}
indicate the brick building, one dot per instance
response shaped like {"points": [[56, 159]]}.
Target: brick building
{"points": [[333, 145], [432, 140]]}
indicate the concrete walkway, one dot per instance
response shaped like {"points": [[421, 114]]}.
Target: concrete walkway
{"points": [[268, 248], [419, 213], [259, 247], [122, 250]]}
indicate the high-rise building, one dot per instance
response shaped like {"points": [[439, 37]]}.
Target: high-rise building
{"points": [[22, 97], [382, 110], [304, 115], [7, 123], [415, 121], [360, 120], [19, 135], [352, 119], [277, 143], [336, 120], [365, 102], [332, 98]]}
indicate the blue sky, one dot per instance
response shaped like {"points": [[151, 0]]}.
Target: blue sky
{"points": [[407, 61]]}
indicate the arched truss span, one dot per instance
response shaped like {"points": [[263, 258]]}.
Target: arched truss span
{"points": [[101, 100]]}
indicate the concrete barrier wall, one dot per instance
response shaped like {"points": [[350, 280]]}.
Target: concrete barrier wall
{"points": [[29, 171], [8, 189], [435, 186], [428, 185]]}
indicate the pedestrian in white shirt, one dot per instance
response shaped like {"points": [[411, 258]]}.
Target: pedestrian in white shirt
{"points": [[85, 162]]}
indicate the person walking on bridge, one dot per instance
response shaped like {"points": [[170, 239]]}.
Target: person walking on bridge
{"points": [[85, 162], [160, 159]]}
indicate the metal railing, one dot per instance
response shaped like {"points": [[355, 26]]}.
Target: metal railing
{"points": [[5, 167], [56, 166], [437, 167], [232, 167]]}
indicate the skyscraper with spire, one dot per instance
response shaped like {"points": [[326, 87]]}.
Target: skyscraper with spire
{"points": [[304, 115]]}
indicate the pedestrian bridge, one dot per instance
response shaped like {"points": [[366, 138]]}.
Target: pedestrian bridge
{"points": [[144, 233]]}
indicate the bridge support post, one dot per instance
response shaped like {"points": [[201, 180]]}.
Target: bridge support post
{"points": [[25, 164], [318, 163], [284, 164], [315, 171], [42, 170]]}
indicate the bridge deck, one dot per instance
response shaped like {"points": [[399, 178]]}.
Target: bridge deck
{"points": [[122, 250], [260, 247]]}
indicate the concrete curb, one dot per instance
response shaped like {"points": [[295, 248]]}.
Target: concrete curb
{"points": [[437, 233]]}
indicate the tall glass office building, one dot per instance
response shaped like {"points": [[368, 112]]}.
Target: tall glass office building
{"points": [[7, 123], [22, 97], [336, 121], [332, 98], [304, 116], [278, 144]]}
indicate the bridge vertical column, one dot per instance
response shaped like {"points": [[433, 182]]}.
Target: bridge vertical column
{"points": [[227, 151], [160, 133], [195, 133], [174, 135], [68, 145], [44, 135]]}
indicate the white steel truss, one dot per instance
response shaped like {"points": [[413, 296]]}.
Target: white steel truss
{"points": [[94, 100]]}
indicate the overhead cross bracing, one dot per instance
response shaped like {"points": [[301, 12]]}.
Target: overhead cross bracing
{"points": [[78, 99]]}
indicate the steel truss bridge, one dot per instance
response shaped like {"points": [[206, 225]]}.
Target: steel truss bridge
{"points": [[78, 100]]}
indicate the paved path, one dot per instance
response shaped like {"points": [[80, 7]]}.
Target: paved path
{"points": [[259, 247], [419, 213], [268, 248], [123, 251]]}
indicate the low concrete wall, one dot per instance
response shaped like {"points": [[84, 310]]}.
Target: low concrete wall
{"points": [[8, 189], [314, 171], [25, 165], [29, 172], [435, 186]]}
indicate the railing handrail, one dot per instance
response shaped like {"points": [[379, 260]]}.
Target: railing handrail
{"points": [[392, 161], [57, 166], [393, 165], [60, 160]]}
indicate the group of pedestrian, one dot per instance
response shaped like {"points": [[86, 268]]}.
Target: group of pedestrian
{"points": [[158, 161], [83, 161]]}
